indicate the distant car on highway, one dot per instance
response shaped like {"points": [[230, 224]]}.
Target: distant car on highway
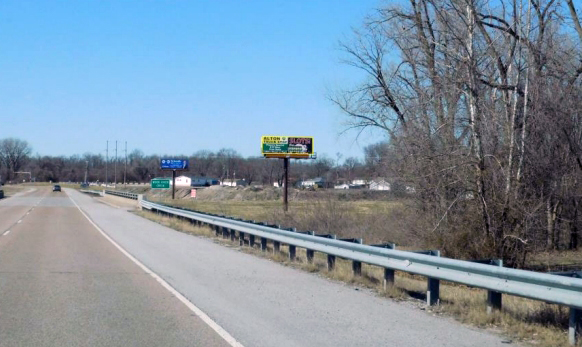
{"points": [[84, 185], [56, 188]]}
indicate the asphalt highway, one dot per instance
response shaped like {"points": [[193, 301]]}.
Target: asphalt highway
{"points": [[63, 284], [78, 272]]}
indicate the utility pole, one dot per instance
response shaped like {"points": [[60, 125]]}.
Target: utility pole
{"points": [[86, 170], [115, 167], [125, 169], [286, 184], [106, 164], [173, 184]]}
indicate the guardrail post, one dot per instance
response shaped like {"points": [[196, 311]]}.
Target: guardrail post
{"points": [[241, 238], [277, 244], [493, 297], [263, 244], [232, 234], [575, 325], [357, 265], [217, 230], [388, 273], [292, 248], [388, 278], [433, 286], [251, 240], [331, 258], [224, 232], [309, 252]]}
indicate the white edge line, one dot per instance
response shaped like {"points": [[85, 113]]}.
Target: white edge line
{"points": [[198, 312], [6, 233]]}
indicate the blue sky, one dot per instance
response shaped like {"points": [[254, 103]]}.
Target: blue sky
{"points": [[175, 77]]}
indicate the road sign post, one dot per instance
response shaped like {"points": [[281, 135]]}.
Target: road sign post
{"points": [[173, 184], [287, 147], [286, 185]]}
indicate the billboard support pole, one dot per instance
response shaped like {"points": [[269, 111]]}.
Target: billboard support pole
{"points": [[173, 184], [286, 184]]}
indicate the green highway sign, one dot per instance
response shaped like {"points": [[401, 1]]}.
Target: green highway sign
{"points": [[161, 183]]}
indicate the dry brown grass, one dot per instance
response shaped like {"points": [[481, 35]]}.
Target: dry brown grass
{"points": [[374, 221], [524, 320], [556, 260], [11, 190]]}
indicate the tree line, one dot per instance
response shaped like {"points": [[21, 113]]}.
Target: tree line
{"points": [[15, 156], [480, 103]]}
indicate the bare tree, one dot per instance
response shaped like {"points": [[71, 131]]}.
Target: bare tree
{"points": [[13, 154], [480, 105]]}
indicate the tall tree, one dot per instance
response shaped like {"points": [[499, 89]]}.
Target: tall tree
{"points": [[480, 105], [13, 153]]}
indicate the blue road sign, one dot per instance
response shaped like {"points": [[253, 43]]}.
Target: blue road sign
{"points": [[174, 164]]}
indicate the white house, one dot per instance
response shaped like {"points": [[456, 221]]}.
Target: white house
{"points": [[318, 182], [308, 183], [182, 181], [379, 185], [359, 182], [342, 186], [234, 183]]}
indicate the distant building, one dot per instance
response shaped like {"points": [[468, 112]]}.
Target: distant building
{"points": [[183, 181], [318, 182], [201, 181], [380, 184], [341, 186], [234, 183], [359, 182]]}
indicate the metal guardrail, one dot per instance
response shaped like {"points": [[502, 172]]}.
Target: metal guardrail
{"points": [[549, 288], [97, 192], [122, 194]]}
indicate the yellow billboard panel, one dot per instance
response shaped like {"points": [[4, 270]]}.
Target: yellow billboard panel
{"points": [[287, 146]]}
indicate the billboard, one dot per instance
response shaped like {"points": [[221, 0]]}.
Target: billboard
{"points": [[174, 164], [299, 147]]}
